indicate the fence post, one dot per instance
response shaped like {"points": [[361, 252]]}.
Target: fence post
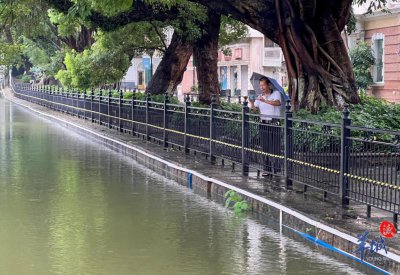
{"points": [[47, 97], [133, 110], [100, 98], [186, 125], [148, 98], [121, 95], [91, 104], [54, 98], [66, 101], [61, 99], [245, 137], [57, 98], [288, 143], [84, 105], [37, 96], [212, 127], [166, 101], [50, 97], [109, 108], [344, 156], [42, 96], [78, 97], [71, 101]]}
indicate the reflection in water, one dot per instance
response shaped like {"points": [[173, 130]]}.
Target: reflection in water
{"points": [[69, 206]]}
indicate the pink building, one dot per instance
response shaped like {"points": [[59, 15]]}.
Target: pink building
{"points": [[382, 31]]}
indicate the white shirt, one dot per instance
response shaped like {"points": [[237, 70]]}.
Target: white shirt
{"points": [[267, 109]]}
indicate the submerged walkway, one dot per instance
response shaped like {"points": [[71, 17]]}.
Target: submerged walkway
{"points": [[352, 221]]}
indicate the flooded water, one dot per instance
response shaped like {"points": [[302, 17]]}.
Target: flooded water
{"points": [[69, 206]]}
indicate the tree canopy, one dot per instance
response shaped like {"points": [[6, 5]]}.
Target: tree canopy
{"points": [[91, 42]]}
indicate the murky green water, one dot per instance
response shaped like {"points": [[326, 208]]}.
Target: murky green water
{"points": [[68, 206]]}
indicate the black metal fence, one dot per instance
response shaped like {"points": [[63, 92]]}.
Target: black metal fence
{"points": [[353, 163]]}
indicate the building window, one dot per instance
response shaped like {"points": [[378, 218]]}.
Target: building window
{"points": [[268, 43], [140, 78], [378, 51]]}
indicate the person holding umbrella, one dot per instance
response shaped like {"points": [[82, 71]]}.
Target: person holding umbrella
{"points": [[268, 103]]}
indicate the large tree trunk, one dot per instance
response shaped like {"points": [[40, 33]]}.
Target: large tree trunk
{"points": [[206, 55], [308, 32], [319, 67], [82, 41], [170, 71]]}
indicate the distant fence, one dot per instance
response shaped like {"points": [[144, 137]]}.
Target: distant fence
{"points": [[353, 163]]}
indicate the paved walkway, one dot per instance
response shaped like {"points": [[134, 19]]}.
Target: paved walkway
{"points": [[352, 221]]}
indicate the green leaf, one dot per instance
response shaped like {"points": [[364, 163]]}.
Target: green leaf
{"points": [[228, 193], [227, 202]]}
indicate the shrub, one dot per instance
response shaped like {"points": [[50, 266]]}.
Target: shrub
{"points": [[25, 78], [362, 58]]}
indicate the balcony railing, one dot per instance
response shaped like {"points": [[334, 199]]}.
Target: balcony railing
{"points": [[272, 57]]}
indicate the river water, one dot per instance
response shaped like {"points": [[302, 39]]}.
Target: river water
{"points": [[70, 206]]}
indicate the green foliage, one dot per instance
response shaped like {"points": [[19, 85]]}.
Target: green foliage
{"points": [[351, 24], [66, 25], [111, 7], [25, 78], [199, 105], [107, 61], [374, 5], [376, 113], [371, 112], [90, 68], [115, 94], [10, 54], [231, 31], [239, 204], [191, 15], [46, 61], [234, 107], [362, 58], [23, 21]]}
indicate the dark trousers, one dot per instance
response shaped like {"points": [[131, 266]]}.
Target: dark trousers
{"points": [[270, 138]]}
